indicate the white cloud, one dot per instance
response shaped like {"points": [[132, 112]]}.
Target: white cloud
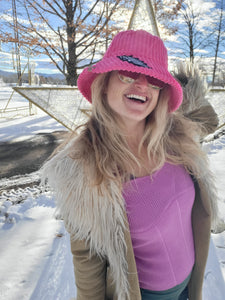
{"points": [[202, 5], [202, 51], [175, 50]]}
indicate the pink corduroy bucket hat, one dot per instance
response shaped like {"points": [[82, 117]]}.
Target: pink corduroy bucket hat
{"points": [[135, 51]]}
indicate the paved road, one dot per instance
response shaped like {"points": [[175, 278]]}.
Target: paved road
{"points": [[24, 157]]}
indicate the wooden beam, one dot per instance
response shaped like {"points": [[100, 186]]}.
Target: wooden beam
{"points": [[151, 14]]}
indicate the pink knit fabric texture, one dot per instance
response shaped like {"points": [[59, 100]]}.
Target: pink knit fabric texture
{"points": [[159, 215]]}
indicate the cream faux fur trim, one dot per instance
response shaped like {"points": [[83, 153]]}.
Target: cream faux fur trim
{"points": [[97, 217], [196, 107], [194, 87], [89, 215]]}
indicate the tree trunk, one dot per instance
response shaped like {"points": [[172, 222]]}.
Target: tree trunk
{"points": [[191, 50], [215, 61], [71, 77], [217, 44]]}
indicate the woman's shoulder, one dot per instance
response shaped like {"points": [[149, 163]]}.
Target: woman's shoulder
{"points": [[62, 165]]}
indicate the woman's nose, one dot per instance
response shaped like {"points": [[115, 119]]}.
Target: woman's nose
{"points": [[141, 80]]}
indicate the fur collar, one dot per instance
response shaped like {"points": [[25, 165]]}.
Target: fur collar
{"points": [[195, 105], [194, 87], [98, 216], [91, 215]]}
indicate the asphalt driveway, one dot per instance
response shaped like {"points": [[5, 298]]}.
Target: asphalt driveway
{"points": [[24, 157]]}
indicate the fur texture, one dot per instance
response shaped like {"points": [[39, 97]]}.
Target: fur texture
{"points": [[96, 214], [194, 87], [83, 208], [196, 107], [89, 214], [195, 104]]}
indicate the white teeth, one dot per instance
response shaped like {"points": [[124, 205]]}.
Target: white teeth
{"points": [[138, 97]]}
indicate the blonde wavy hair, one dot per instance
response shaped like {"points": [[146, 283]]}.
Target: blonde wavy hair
{"points": [[103, 149]]}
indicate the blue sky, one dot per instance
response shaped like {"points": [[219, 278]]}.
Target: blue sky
{"points": [[42, 64]]}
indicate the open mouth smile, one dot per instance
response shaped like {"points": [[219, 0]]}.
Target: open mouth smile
{"points": [[137, 98]]}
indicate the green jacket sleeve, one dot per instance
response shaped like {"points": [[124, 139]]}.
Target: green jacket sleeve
{"points": [[90, 272], [201, 223]]}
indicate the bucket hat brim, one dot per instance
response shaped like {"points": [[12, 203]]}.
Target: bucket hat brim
{"points": [[134, 51], [106, 65]]}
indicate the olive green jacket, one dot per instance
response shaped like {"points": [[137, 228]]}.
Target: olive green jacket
{"points": [[101, 245], [93, 274]]}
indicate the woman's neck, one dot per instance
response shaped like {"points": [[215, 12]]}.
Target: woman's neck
{"points": [[134, 135], [145, 165]]}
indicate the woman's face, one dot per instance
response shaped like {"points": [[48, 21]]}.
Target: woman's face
{"points": [[132, 98]]}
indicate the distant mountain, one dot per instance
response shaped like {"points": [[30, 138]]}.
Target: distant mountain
{"points": [[5, 73], [59, 75], [11, 77], [53, 75]]}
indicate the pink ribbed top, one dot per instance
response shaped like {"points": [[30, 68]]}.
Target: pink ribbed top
{"points": [[159, 215]]}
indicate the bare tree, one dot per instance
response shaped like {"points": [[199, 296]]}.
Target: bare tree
{"points": [[219, 38], [195, 28], [69, 32], [165, 14], [156, 16], [17, 43]]}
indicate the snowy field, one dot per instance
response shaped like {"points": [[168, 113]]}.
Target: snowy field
{"points": [[35, 258]]}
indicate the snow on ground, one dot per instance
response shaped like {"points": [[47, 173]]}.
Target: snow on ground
{"points": [[22, 127], [35, 258], [27, 126]]}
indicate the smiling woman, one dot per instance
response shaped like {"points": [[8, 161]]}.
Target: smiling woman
{"points": [[132, 98], [133, 188]]}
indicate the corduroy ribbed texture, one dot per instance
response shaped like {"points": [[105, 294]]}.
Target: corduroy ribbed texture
{"points": [[135, 51], [140, 44]]}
